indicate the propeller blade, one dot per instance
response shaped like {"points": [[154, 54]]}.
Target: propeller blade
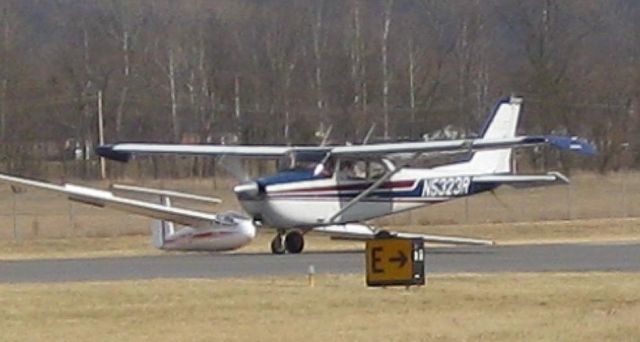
{"points": [[234, 167]]}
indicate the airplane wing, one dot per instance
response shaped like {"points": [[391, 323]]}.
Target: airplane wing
{"points": [[124, 151], [523, 181], [563, 143], [102, 198], [360, 232]]}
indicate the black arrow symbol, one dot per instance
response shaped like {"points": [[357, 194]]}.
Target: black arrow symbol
{"points": [[401, 259]]}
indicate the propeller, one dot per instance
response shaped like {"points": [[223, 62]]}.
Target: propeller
{"points": [[234, 167]]}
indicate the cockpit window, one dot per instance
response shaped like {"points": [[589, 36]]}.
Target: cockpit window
{"points": [[361, 169], [376, 170], [328, 168], [291, 163]]}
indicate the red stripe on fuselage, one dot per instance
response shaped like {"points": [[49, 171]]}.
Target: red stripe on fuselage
{"points": [[348, 187], [202, 235]]}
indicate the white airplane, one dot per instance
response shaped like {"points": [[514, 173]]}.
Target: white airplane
{"points": [[332, 190]]}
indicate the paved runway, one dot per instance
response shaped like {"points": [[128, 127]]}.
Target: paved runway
{"points": [[526, 258]]}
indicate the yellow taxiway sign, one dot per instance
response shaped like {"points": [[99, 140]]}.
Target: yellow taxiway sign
{"points": [[395, 261]]}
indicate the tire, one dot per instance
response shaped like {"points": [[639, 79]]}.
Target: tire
{"points": [[277, 245], [294, 242], [383, 234]]}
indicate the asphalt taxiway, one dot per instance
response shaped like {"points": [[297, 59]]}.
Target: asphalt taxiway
{"points": [[609, 257]]}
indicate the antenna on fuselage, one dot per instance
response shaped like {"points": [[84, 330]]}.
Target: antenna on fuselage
{"points": [[369, 134], [327, 134]]}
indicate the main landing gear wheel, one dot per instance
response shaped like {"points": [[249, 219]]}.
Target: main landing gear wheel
{"points": [[383, 234], [294, 242], [277, 245]]}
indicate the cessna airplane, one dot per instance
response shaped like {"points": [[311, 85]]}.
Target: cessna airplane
{"points": [[332, 190]]}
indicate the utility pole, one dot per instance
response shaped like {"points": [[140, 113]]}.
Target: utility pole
{"points": [[385, 66], [412, 89], [103, 166]]}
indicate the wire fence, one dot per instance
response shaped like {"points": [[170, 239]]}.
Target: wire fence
{"points": [[589, 196], [38, 214]]}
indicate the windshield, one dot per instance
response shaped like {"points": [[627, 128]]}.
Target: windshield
{"points": [[300, 161]]}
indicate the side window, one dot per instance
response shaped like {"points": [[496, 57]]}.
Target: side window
{"points": [[376, 170], [328, 168], [347, 168], [360, 170]]}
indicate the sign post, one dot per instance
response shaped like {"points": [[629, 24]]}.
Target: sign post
{"points": [[395, 262]]}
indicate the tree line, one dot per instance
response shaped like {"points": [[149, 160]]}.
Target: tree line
{"points": [[284, 72]]}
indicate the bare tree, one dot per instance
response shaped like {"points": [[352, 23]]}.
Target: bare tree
{"points": [[270, 72]]}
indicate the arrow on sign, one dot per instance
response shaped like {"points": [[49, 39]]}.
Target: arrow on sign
{"points": [[401, 259]]}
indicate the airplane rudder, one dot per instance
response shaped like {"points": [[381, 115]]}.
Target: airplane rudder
{"points": [[159, 231], [157, 238], [503, 119]]}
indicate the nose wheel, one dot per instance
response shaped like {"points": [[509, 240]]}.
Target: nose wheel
{"points": [[291, 242], [277, 245]]}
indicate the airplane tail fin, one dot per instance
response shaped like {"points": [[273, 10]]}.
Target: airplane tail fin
{"points": [[501, 124], [161, 229]]}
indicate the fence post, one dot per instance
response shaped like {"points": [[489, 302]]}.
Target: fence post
{"points": [[569, 204], [15, 219], [70, 232], [466, 210], [623, 191]]}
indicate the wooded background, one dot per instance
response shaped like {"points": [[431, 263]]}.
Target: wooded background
{"points": [[283, 72]]}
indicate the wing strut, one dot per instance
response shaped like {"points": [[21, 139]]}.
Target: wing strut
{"points": [[392, 170]]}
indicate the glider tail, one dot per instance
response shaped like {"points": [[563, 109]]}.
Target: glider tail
{"points": [[160, 229]]}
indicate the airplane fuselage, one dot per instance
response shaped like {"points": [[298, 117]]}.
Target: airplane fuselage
{"points": [[297, 199], [219, 237]]}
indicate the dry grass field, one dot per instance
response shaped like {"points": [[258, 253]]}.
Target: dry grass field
{"points": [[592, 230], [503, 307]]}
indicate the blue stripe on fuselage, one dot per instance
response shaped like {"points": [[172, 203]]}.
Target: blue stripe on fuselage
{"points": [[417, 192], [288, 177]]}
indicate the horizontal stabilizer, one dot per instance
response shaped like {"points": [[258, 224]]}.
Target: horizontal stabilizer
{"points": [[573, 144], [523, 181], [360, 232], [447, 240]]}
